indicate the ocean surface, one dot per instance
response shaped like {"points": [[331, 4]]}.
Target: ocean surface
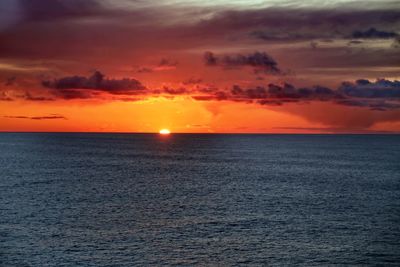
{"points": [[208, 200]]}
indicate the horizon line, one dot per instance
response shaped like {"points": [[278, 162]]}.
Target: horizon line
{"points": [[205, 133]]}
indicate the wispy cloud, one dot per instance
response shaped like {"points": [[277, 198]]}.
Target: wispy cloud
{"points": [[49, 117], [260, 62]]}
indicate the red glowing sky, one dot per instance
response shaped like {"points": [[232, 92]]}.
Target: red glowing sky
{"points": [[200, 66]]}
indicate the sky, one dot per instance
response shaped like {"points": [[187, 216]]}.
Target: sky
{"points": [[238, 66]]}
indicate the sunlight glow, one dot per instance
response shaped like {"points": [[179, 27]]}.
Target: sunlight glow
{"points": [[164, 131]]}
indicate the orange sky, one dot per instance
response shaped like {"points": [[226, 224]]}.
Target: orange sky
{"points": [[183, 114]]}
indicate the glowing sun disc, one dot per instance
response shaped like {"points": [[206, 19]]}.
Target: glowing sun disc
{"points": [[164, 131]]}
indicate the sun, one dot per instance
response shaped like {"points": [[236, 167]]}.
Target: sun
{"points": [[165, 131]]}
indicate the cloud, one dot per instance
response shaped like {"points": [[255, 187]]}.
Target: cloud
{"points": [[42, 10], [380, 95], [343, 130], [362, 88], [72, 87], [218, 95], [164, 64], [373, 33], [175, 91], [284, 92], [136, 32], [261, 62], [318, 33], [288, 35], [377, 105], [32, 97], [309, 24], [49, 117], [191, 90], [210, 59], [167, 63]]}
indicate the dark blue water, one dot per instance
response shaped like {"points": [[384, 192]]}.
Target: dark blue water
{"points": [[125, 200]]}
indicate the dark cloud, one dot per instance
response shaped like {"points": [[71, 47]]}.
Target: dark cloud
{"points": [[49, 117], [86, 87], [261, 62], [285, 36], [373, 33], [70, 94], [362, 88], [40, 10], [167, 63], [218, 95], [203, 89], [284, 92], [378, 105], [210, 59], [175, 91], [307, 34], [251, 93], [309, 24], [31, 97], [301, 19], [380, 95]]}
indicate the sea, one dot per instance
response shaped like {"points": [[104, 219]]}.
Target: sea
{"points": [[85, 199]]}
